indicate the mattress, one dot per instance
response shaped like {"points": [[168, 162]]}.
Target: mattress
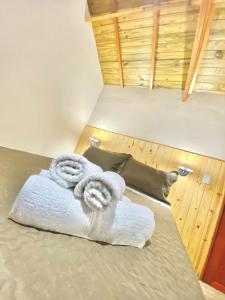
{"points": [[39, 265]]}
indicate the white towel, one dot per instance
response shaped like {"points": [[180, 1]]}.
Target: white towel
{"points": [[68, 169], [100, 190], [43, 204]]}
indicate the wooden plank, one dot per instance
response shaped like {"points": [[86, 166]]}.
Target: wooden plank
{"points": [[102, 11], [116, 14], [211, 223], [187, 27], [133, 50], [161, 56], [137, 83], [155, 31], [214, 45], [140, 78], [199, 193], [117, 35], [169, 84], [180, 17], [213, 71], [207, 86], [211, 79], [145, 45], [201, 214], [143, 68], [166, 33], [136, 15], [201, 36], [105, 12], [213, 63], [138, 23], [169, 77]]}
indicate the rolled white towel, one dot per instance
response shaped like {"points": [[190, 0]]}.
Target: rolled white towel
{"points": [[44, 204], [99, 191], [45, 173], [68, 169], [133, 224]]}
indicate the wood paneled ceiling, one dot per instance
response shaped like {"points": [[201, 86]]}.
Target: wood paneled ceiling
{"points": [[172, 44]]}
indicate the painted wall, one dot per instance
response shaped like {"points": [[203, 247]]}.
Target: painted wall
{"points": [[50, 77], [197, 125]]}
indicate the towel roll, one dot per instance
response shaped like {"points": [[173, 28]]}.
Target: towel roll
{"points": [[99, 191], [44, 204], [68, 169]]}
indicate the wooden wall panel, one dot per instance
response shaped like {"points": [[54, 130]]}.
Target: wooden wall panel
{"points": [[177, 26], [99, 7], [196, 207], [211, 76]]}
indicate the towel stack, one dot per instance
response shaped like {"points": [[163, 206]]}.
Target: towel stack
{"points": [[76, 197]]}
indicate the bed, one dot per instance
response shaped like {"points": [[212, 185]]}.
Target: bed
{"points": [[41, 265]]}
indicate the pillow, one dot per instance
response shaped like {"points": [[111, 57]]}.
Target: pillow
{"points": [[109, 161], [148, 180]]}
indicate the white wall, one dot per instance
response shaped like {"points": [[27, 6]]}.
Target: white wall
{"points": [[50, 77], [197, 125]]}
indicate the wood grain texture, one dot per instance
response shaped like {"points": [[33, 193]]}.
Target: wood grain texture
{"points": [[196, 207], [176, 34], [155, 32], [104, 9], [118, 47], [211, 75], [201, 37]]}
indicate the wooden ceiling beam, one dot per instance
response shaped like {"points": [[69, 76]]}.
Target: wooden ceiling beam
{"points": [[114, 8], [155, 32], [200, 41], [119, 52]]}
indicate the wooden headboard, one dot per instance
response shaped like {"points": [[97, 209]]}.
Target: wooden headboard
{"points": [[196, 207]]}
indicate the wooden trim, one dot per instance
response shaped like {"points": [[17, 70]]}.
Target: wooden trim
{"points": [[155, 31], [213, 238], [124, 12], [118, 46], [201, 37]]}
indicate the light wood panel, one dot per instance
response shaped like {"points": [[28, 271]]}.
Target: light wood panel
{"points": [[118, 47], [196, 207], [211, 76], [104, 9], [155, 33], [177, 27], [138, 46], [201, 37]]}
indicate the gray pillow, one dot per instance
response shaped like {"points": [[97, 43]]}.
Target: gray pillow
{"points": [[107, 160], [148, 180]]}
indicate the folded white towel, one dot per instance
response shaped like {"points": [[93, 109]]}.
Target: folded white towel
{"points": [[43, 204], [68, 169], [100, 190]]}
